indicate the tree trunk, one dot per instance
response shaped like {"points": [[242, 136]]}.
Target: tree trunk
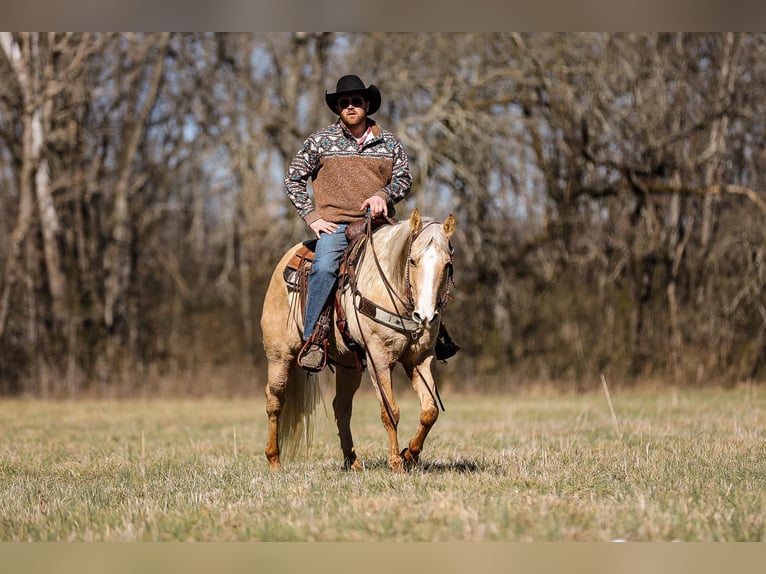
{"points": [[25, 59], [117, 257]]}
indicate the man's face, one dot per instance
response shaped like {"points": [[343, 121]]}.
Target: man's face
{"points": [[353, 108]]}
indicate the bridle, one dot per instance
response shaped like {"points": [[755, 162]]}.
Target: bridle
{"points": [[444, 299], [404, 324]]}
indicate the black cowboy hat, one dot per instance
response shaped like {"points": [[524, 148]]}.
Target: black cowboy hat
{"points": [[352, 83]]}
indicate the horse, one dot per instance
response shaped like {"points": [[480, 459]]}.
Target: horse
{"points": [[393, 310]]}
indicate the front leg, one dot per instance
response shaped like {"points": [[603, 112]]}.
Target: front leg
{"points": [[389, 413], [423, 382]]}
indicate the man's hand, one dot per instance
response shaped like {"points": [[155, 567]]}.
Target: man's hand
{"points": [[376, 204], [323, 226]]}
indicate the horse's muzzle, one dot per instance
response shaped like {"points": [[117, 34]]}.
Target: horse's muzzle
{"points": [[424, 318]]}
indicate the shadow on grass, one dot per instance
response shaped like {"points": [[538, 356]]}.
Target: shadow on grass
{"points": [[437, 466]]}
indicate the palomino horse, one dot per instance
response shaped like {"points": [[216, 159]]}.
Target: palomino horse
{"points": [[392, 310]]}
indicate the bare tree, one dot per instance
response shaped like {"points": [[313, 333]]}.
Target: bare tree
{"points": [[609, 190]]}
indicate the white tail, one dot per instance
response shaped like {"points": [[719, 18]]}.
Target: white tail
{"points": [[296, 423]]}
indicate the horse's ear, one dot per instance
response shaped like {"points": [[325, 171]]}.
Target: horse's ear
{"points": [[449, 226], [416, 223]]}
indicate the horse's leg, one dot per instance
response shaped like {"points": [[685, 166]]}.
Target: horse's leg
{"points": [[381, 376], [423, 382], [278, 377], [281, 342], [347, 382]]}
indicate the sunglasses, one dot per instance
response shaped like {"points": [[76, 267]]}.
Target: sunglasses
{"points": [[356, 102]]}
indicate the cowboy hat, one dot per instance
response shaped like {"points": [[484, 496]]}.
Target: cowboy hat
{"points": [[352, 83]]}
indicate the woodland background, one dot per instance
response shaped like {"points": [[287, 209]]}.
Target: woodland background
{"points": [[609, 191]]}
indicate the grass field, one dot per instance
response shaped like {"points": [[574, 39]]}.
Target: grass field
{"points": [[661, 465]]}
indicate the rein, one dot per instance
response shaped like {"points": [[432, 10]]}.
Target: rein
{"points": [[409, 304], [395, 320], [389, 290]]}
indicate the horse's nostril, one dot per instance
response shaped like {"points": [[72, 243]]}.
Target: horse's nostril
{"points": [[424, 319]]}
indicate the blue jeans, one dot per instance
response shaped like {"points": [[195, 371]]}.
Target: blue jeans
{"points": [[324, 274]]}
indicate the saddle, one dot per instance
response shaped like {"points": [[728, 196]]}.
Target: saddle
{"points": [[297, 270], [298, 267]]}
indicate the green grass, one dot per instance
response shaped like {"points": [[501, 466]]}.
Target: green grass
{"points": [[687, 465]]}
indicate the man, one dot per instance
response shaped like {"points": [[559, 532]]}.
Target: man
{"points": [[355, 166]]}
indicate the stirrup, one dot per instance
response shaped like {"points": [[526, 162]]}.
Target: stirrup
{"points": [[313, 356]]}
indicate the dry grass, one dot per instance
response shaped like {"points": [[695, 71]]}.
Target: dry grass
{"points": [[659, 465]]}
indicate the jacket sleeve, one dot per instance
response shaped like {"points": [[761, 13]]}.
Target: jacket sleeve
{"points": [[302, 167], [401, 176]]}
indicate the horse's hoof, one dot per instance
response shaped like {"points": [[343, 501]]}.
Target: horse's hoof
{"points": [[409, 458], [355, 465], [396, 463]]}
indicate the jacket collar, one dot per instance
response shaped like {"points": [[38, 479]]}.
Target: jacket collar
{"points": [[374, 127]]}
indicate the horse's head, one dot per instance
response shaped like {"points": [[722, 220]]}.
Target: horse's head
{"points": [[429, 266]]}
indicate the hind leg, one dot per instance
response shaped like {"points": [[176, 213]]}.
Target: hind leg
{"points": [[347, 382], [278, 376], [281, 341]]}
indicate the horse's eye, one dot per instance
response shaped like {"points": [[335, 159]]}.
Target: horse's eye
{"points": [[412, 262]]}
